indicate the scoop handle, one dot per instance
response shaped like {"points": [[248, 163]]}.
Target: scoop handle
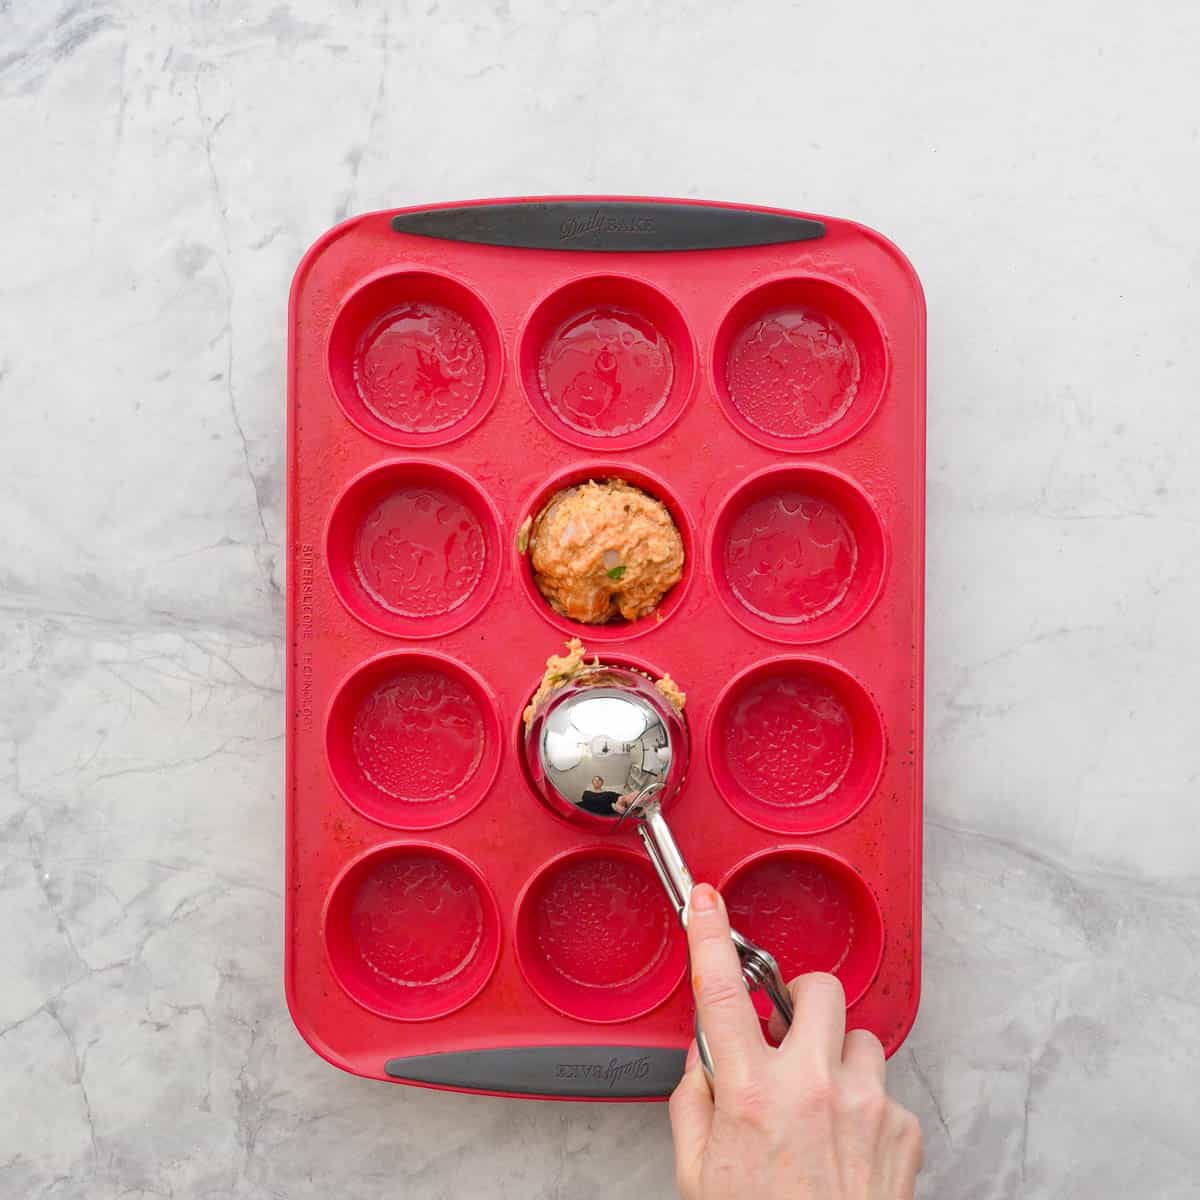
{"points": [[667, 858], [668, 861]]}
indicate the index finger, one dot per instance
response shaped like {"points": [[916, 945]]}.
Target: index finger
{"points": [[726, 1014]]}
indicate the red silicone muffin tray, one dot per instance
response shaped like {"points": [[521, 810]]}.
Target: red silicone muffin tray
{"points": [[762, 373]]}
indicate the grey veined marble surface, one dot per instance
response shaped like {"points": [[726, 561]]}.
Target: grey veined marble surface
{"points": [[164, 166]]}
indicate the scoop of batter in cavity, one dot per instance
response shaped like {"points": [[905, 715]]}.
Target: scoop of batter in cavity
{"points": [[605, 551], [672, 692], [562, 668]]}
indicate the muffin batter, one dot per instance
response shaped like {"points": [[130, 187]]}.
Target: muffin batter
{"points": [[604, 552], [672, 692], [562, 668]]}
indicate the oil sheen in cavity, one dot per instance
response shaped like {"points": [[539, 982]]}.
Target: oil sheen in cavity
{"points": [[420, 552], [790, 557], [420, 368], [797, 910], [602, 923], [793, 372], [417, 920], [419, 737], [789, 740], [606, 372]]}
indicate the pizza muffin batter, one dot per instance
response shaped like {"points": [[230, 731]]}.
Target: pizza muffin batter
{"points": [[604, 552], [672, 692], [562, 668]]}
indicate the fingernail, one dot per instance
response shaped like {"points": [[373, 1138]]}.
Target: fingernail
{"points": [[693, 1056], [704, 898]]}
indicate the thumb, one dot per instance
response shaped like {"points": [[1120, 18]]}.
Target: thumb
{"points": [[691, 1111]]}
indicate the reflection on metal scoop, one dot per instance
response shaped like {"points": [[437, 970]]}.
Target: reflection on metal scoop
{"points": [[609, 746]]}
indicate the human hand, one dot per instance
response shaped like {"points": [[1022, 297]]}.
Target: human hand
{"points": [[809, 1120]]}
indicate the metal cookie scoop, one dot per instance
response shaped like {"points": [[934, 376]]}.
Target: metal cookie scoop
{"points": [[598, 741], [608, 746]]}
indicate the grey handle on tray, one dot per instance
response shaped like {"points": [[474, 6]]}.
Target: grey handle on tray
{"points": [[600, 225], [584, 1072]]}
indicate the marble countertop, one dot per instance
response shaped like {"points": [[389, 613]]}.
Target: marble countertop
{"points": [[166, 166]]}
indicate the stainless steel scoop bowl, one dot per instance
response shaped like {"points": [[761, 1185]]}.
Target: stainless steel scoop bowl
{"points": [[600, 740], [608, 746]]}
